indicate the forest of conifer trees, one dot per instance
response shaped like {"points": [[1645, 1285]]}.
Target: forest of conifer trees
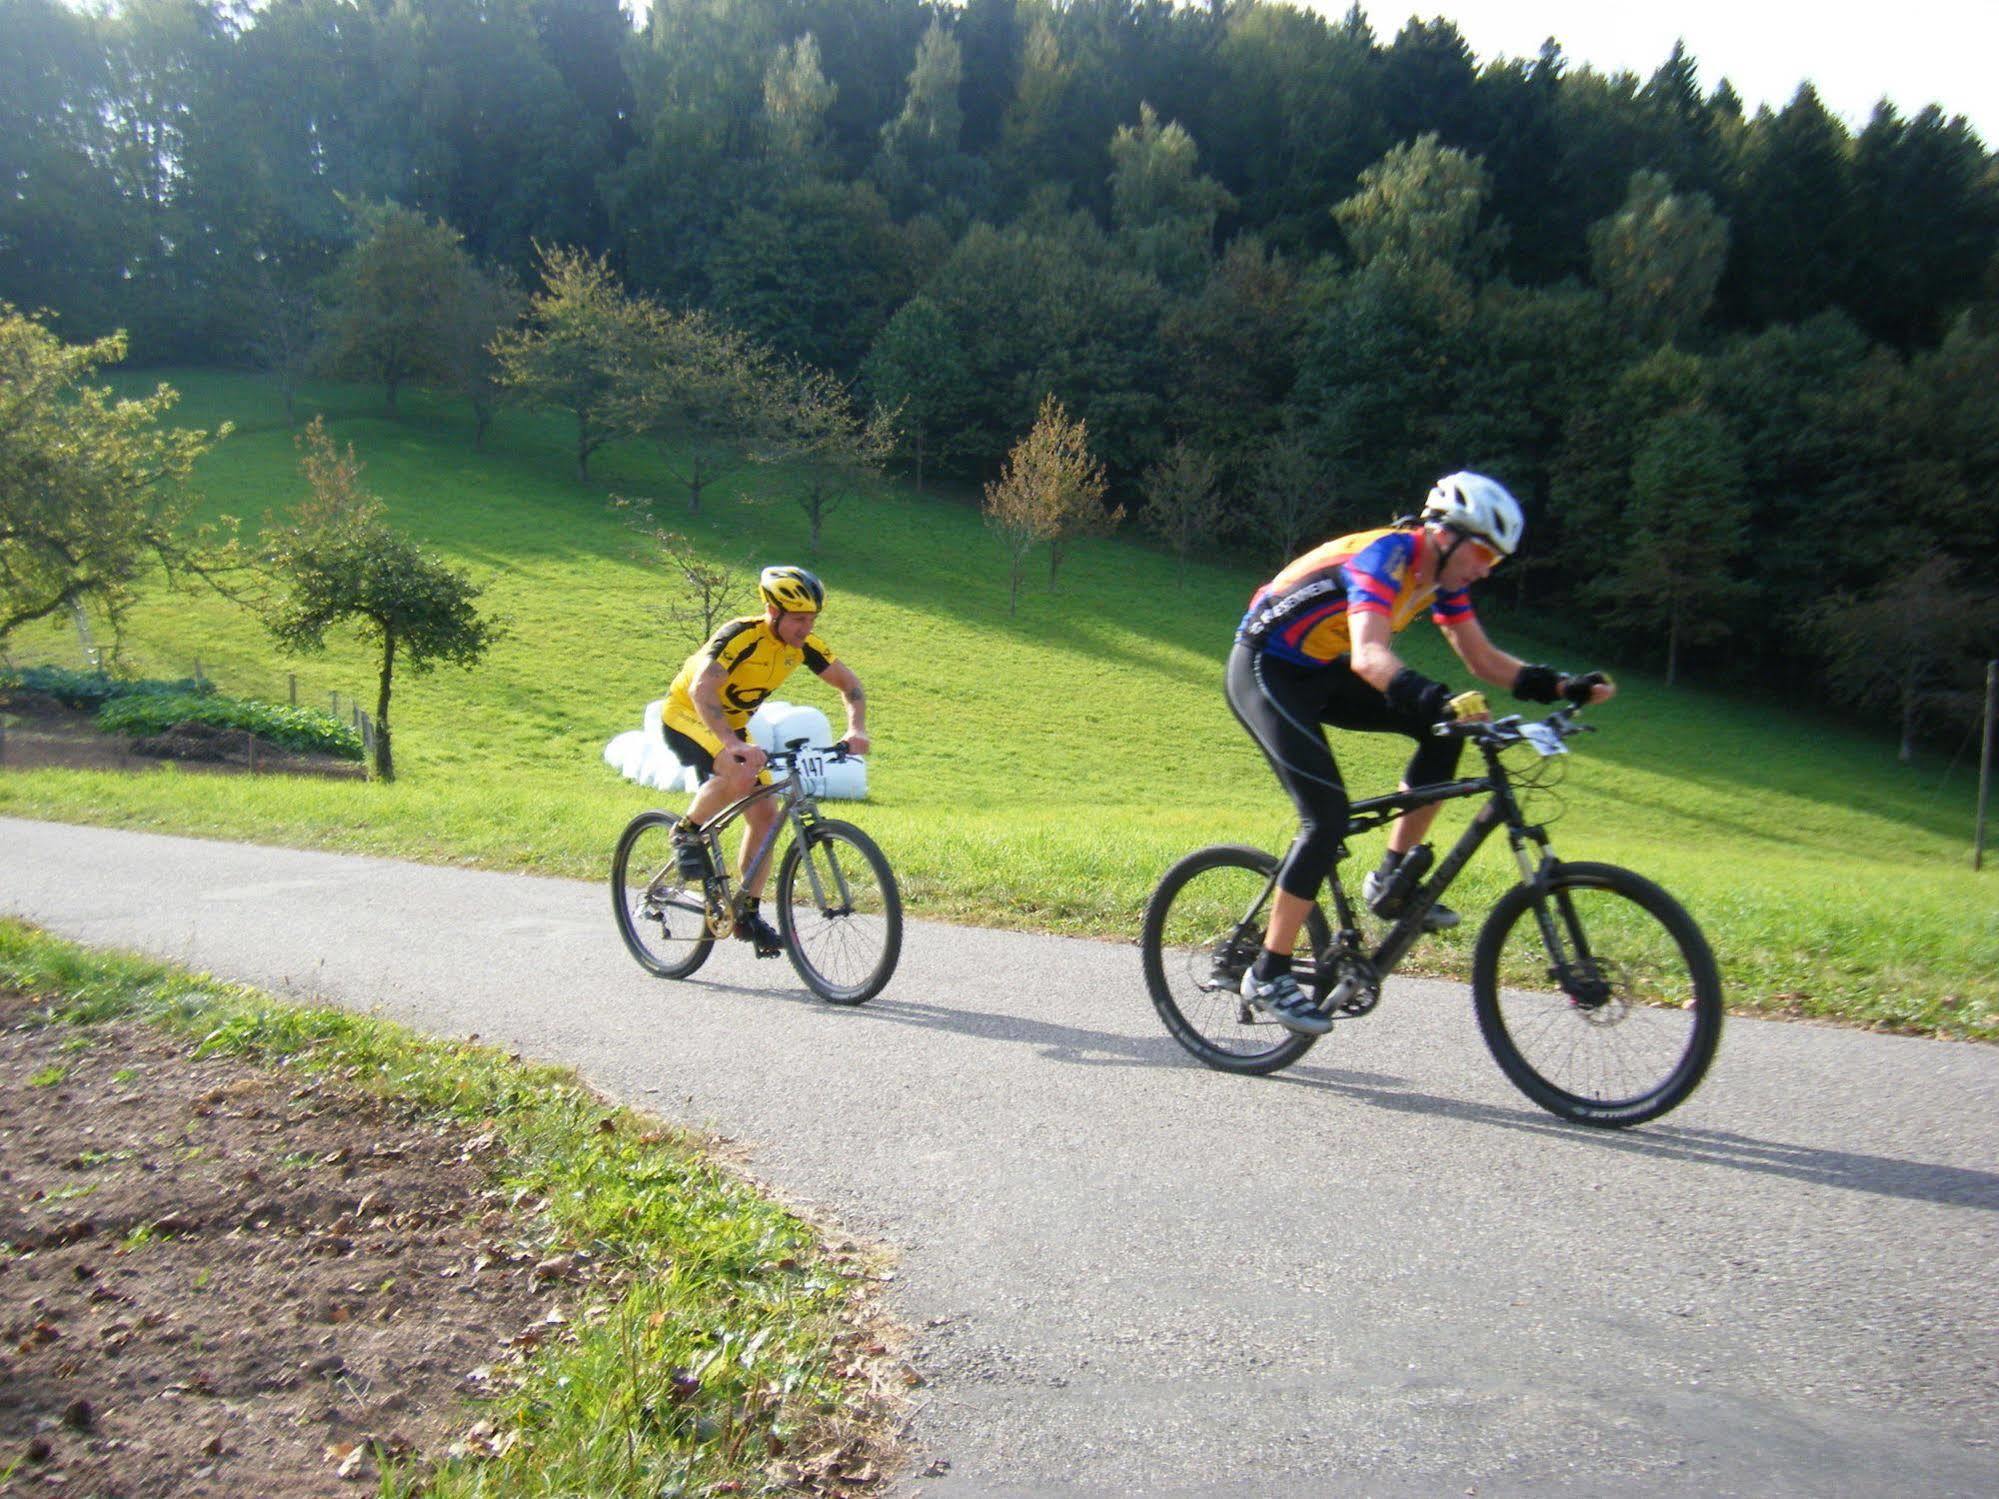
{"points": [[1741, 368]]}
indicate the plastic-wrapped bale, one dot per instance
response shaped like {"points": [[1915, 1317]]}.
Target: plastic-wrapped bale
{"points": [[641, 755], [776, 723]]}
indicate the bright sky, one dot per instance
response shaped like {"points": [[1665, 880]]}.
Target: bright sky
{"points": [[1916, 52]]}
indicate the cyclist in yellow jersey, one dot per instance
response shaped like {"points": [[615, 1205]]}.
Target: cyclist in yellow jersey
{"points": [[710, 703], [1316, 647]]}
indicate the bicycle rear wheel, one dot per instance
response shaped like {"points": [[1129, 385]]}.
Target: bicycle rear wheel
{"points": [[1203, 928], [840, 913], [662, 919], [1597, 995]]}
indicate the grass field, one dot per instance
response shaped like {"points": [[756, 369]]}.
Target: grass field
{"points": [[1033, 770]]}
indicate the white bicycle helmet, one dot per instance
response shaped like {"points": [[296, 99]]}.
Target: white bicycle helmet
{"points": [[1473, 505]]}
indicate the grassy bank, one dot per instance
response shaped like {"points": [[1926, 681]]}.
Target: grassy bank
{"points": [[1038, 768], [718, 1351]]}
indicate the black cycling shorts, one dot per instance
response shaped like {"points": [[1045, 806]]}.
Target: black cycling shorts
{"points": [[690, 752], [1283, 706]]}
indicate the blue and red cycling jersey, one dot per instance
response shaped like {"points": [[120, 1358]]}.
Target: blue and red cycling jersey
{"points": [[1302, 614]]}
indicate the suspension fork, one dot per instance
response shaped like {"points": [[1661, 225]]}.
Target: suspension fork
{"points": [[1569, 957]]}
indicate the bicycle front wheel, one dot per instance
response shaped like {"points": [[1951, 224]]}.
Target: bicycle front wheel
{"points": [[840, 913], [1597, 995], [1203, 928], [662, 919]]}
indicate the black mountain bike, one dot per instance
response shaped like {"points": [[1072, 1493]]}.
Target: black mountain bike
{"points": [[1594, 989], [837, 903]]}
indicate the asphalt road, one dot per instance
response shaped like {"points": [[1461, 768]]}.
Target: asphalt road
{"points": [[1381, 1273]]}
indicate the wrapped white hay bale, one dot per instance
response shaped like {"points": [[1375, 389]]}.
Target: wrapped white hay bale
{"points": [[641, 754]]}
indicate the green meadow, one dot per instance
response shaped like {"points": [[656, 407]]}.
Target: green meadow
{"points": [[1035, 770]]}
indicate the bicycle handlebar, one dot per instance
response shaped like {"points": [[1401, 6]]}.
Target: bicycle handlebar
{"points": [[794, 748], [1509, 730]]}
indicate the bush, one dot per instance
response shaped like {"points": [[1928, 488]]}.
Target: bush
{"points": [[91, 689], [307, 730]]}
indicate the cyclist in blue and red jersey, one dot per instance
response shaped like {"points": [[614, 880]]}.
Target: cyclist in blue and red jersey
{"points": [[1316, 647]]}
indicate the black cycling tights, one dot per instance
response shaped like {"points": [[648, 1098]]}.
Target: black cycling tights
{"points": [[1283, 705]]}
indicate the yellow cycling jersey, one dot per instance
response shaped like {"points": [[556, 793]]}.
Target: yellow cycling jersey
{"points": [[756, 662]]}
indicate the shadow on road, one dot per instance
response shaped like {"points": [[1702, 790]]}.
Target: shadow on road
{"points": [[1885, 1176]]}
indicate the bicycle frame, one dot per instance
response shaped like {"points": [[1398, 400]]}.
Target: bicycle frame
{"points": [[799, 811], [1502, 807]]}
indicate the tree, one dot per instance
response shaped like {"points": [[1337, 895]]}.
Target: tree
{"points": [[1051, 489], [92, 490], [832, 446], [584, 338], [488, 305], [1183, 502], [1422, 203], [1231, 353], [797, 96], [1670, 565], [392, 300], [704, 593], [1912, 644], [338, 561], [283, 336], [1292, 495], [1164, 210], [1659, 258], [1791, 215], [706, 393], [918, 368], [920, 168]]}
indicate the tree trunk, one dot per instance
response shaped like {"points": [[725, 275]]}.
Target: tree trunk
{"points": [[919, 460], [1054, 561], [392, 398], [696, 482], [1672, 646], [385, 765], [582, 448]]}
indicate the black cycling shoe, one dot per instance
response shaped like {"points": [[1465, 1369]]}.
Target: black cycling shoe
{"points": [[690, 853], [760, 934]]}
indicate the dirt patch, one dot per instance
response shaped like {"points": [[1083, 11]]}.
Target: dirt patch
{"points": [[216, 1278], [37, 731]]}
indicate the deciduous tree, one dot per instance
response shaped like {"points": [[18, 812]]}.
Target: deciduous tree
{"points": [[584, 338], [1670, 565], [393, 299], [336, 560], [93, 491], [1912, 644], [1183, 501]]}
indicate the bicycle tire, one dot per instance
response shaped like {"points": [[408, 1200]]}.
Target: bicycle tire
{"points": [[1195, 947], [845, 955], [647, 891], [1641, 996]]}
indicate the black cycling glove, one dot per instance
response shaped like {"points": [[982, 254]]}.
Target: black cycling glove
{"points": [[1537, 684], [1410, 692], [1578, 689]]}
